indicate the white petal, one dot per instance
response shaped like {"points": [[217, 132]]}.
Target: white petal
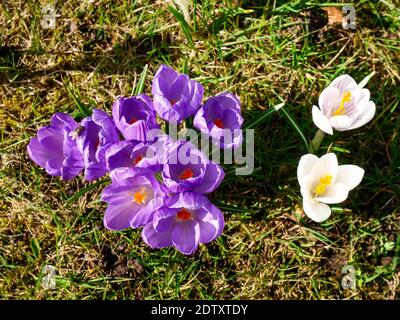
{"points": [[350, 175], [334, 194], [341, 123], [343, 83], [326, 165], [316, 211], [329, 100], [321, 121], [306, 163], [306, 187], [367, 112], [361, 95]]}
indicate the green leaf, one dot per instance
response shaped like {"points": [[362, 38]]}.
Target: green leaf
{"points": [[84, 110], [85, 190], [397, 254], [364, 81], [140, 86], [296, 126], [260, 118], [35, 247], [185, 27]]}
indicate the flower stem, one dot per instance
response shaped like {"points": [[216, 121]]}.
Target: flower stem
{"points": [[316, 141]]}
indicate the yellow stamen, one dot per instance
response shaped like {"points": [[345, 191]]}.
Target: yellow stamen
{"points": [[323, 183], [345, 98], [139, 197]]}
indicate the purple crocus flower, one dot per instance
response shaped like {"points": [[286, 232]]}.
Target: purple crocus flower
{"points": [[188, 169], [186, 220], [132, 199], [97, 134], [134, 117], [175, 96], [221, 118], [129, 154], [55, 149]]}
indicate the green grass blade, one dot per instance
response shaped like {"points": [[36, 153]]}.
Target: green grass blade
{"points": [[296, 126], [140, 86], [259, 119], [185, 27], [85, 190], [84, 110], [397, 254], [35, 247], [364, 81]]}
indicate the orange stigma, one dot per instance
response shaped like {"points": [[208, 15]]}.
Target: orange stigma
{"points": [[218, 122], [172, 101], [137, 159], [133, 120], [183, 215], [186, 174], [139, 197]]}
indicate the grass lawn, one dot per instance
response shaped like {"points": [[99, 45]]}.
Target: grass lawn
{"points": [[266, 52]]}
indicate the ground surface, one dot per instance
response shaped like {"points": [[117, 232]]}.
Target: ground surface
{"points": [[264, 51]]}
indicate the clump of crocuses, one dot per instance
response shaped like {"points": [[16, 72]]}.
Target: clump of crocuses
{"points": [[157, 182], [343, 105]]}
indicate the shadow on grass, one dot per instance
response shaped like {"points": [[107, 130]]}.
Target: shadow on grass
{"points": [[125, 57]]}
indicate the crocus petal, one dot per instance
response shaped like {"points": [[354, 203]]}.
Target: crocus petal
{"points": [[178, 87], [343, 83], [189, 200], [163, 79], [305, 166], [63, 121], [54, 166], [117, 194], [334, 194], [108, 130], [72, 164], [229, 100], [329, 100], [200, 122], [321, 121], [119, 155], [350, 176], [163, 219], [137, 131], [38, 153], [365, 116], [117, 217], [54, 148], [186, 236], [154, 239], [164, 109], [134, 117], [211, 224], [143, 216], [306, 185], [340, 123], [95, 170], [194, 98], [119, 174], [316, 211], [326, 165], [175, 96], [213, 177]]}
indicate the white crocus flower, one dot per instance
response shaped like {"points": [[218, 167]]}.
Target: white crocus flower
{"points": [[323, 181], [343, 105]]}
